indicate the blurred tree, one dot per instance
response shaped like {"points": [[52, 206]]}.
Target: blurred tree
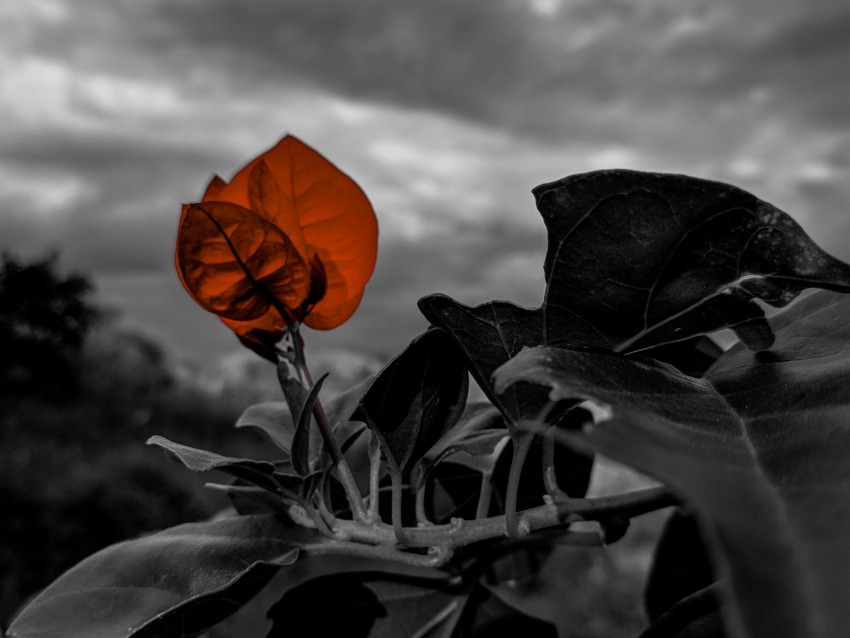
{"points": [[44, 319]]}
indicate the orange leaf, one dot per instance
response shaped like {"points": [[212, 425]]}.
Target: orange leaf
{"points": [[237, 264], [335, 316], [268, 200], [296, 189]]}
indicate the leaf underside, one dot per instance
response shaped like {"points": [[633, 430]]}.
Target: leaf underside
{"points": [[758, 448], [167, 585]]}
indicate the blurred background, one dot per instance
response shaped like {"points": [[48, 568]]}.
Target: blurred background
{"points": [[446, 113]]}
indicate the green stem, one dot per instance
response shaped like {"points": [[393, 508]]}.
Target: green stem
{"points": [[522, 443], [421, 486], [485, 495], [324, 511], [460, 533], [374, 479], [313, 518], [397, 493], [436, 558], [355, 499], [550, 479]]}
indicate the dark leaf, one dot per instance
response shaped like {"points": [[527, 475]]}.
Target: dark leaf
{"points": [[383, 605], [340, 407], [293, 388], [476, 442], [364, 606], [167, 585], [256, 472], [641, 259], [273, 418], [680, 565], [301, 438], [489, 335], [475, 437], [487, 615], [697, 616], [692, 356], [417, 397], [758, 448]]}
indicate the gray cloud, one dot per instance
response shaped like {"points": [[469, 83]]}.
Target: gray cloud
{"points": [[481, 99]]}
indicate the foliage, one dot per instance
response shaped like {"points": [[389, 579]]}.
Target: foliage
{"points": [[44, 319], [290, 239], [75, 478], [466, 501]]}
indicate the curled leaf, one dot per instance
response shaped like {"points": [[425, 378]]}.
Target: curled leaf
{"points": [[236, 264], [301, 438]]}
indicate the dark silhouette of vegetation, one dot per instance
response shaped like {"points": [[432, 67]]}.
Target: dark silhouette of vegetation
{"points": [[44, 319], [78, 398]]}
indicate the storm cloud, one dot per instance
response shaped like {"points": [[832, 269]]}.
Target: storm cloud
{"points": [[447, 113]]}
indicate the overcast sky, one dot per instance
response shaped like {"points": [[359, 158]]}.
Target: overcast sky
{"points": [[446, 112]]}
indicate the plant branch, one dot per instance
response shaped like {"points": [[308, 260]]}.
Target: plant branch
{"points": [[374, 479], [484, 496], [550, 479], [397, 494], [355, 499], [460, 533], [522, 442], [421, 478]]}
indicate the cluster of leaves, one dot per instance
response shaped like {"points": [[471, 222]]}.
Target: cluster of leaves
{"points": [[639, 267]]}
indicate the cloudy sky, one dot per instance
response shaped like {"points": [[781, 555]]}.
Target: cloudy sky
{"points": [[447, 113]]}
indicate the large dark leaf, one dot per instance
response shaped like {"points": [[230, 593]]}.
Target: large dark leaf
{"points": [[758, 448], [168, 585], [638, 259], [417, 397]]}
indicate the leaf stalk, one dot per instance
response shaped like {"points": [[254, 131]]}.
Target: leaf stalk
{"points": [[355, 499]]}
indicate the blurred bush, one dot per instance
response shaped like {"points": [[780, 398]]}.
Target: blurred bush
{"points": [[78, 399]]}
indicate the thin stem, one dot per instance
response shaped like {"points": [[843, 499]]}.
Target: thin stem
{"points": [[484, 496], [374, 479], [436, 558], [460, 533], [313, 519], [355, 499], [324, 511], [550, 479], [522, 442], [421, 487], [397, 493]]}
